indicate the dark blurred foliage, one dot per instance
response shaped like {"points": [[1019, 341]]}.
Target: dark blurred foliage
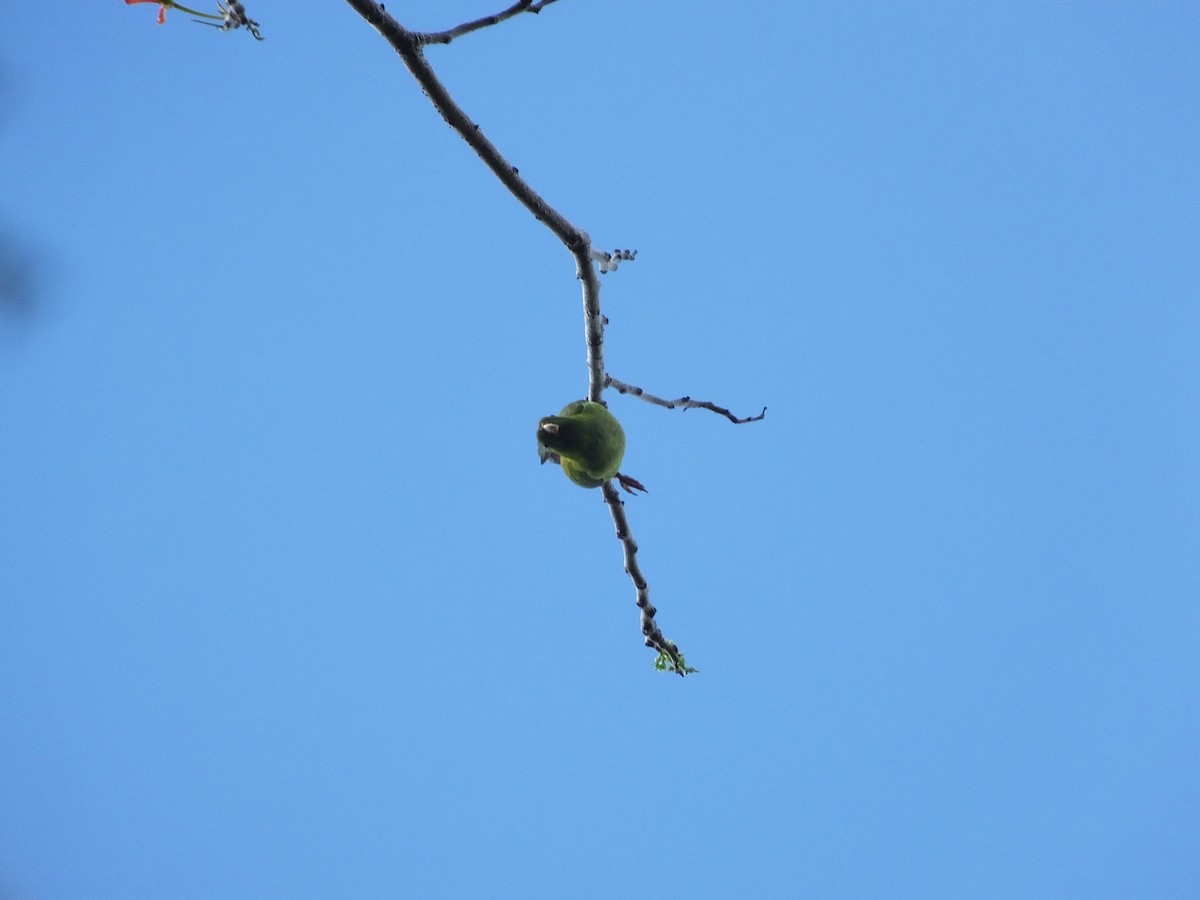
{"points": [[20, 297], [17, 284]]}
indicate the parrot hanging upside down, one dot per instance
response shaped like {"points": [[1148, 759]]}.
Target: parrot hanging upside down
{"points": [[588, 442]]}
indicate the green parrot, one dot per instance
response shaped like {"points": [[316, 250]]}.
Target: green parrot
{"points": [[588, 442]]}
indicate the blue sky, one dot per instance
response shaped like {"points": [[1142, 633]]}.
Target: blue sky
{"points": [[288, 607]]}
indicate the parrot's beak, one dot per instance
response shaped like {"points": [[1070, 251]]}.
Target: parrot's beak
{"points": [[545, 454]]}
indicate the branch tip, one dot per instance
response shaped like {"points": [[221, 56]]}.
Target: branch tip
{"points": [[669, 658], [687, 403], [445, 37]]}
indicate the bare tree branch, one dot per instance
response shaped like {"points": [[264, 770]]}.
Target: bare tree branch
{"points": [[655, 639], [408, 45], [686, 402], [445, 37]]}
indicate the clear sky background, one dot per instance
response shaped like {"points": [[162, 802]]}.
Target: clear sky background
{"points": [[289, 609]]}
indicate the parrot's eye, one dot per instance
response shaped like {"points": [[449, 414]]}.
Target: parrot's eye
{"points": [[549, 428]]}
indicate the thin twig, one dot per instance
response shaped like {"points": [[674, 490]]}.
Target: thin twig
{"points": [[445, 37], [686, 402], [655, 639], [609, 261]]}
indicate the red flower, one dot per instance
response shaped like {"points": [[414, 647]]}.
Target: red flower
{"points": [[162, 9]]}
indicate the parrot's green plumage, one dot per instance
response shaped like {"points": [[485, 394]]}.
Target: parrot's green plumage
{"points": [[587, 439]]}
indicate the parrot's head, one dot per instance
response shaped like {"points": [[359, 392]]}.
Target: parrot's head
{"points": [[567, 433], [556, 434]]}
